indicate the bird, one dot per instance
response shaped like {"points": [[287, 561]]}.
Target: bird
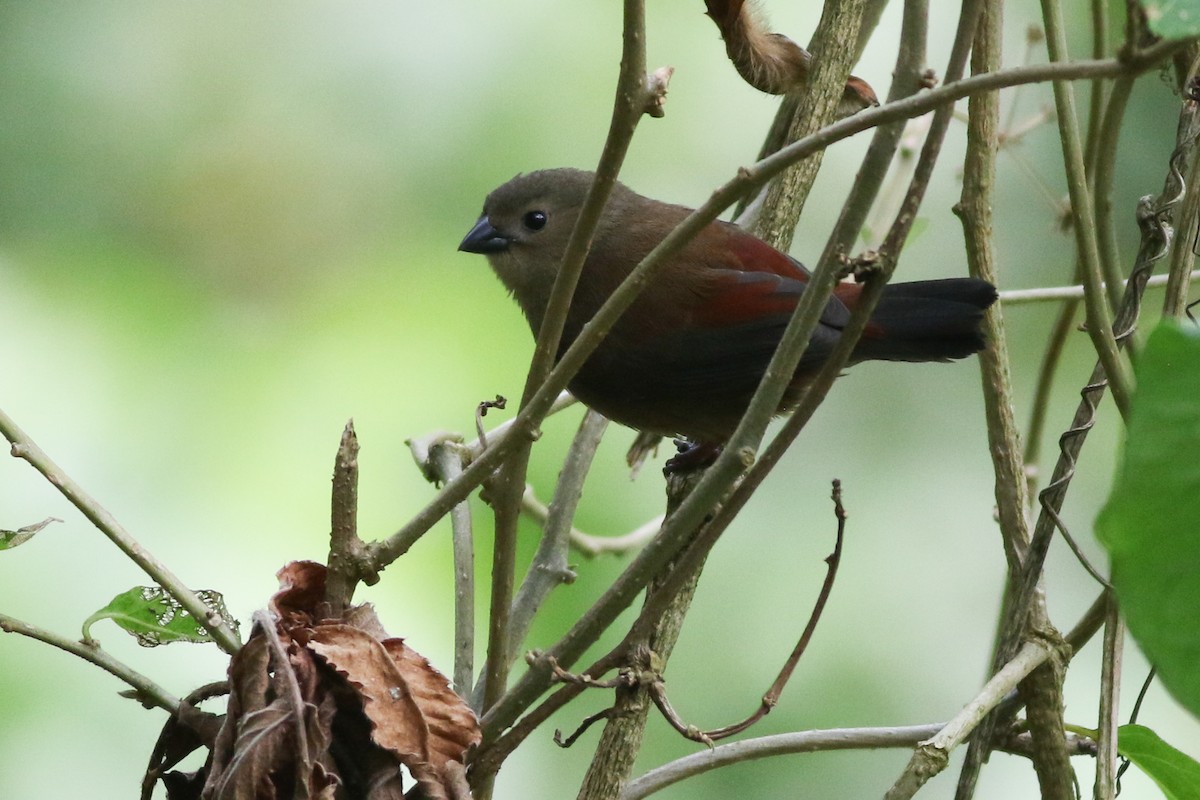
{"points": [[685, 358]]}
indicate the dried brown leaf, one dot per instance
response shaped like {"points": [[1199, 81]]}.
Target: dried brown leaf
{"points": [[301, 591], [256, 755], [413, 712], [262, 752]]}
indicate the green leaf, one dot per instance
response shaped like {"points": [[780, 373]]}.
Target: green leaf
{"points": [[1151, 524], [1175, 772], [154, 617], [1173, 19], [11, 539]]}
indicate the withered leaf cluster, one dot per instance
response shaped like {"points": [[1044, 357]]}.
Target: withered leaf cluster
{"points": [[323, 708]]}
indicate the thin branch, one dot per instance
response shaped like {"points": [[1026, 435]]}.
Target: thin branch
{"points": [[771, 697], [446, 459], [549, 568], [636, 94], [1100, 324], [587, 544], [496, 435], [647, 656], [785, 744], [1103, 174], [345, 548], [910, 64], [933, 754], [1183, 252], [1020, 297], [25, 448], [975, 211], [1110, 696], [591, 546], [146, 691]]}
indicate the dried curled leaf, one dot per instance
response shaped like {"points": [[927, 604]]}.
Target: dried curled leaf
{"points": [[11, 539], [267, 747], [771, 62], [413, 712], [348, 708]]}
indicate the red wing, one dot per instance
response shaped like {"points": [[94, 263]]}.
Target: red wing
{"points": [[751, 282]]}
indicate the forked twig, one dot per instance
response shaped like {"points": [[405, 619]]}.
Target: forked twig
{"points": [[771, 698]]}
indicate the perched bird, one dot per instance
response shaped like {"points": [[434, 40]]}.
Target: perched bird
{"points": [[686, 357]]}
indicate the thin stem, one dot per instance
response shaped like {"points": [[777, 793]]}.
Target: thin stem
{"points": [[345, 548], [932, 755], [632, 96], [910, 62], [447, 459], [975, 211], [1110, 696], [148, 692], [778, 745], [549, 568], [25, 448], [1183, 251], [1100, 327], [1020, 297], [591, 546], [647, 657], [1103, 177]]}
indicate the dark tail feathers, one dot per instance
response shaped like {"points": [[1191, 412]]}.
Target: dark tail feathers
{"points": [[935, 320]]}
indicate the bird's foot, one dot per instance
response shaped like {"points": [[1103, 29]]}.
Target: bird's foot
{"points": [[691, 456]]}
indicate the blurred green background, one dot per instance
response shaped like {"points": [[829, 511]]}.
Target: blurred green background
{"points": [[227, 228]]}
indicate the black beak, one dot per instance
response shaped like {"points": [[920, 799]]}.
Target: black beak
{"points": [[484, 239]]}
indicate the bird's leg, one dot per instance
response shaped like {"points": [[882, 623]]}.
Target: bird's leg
{"points": [[691, 456]]}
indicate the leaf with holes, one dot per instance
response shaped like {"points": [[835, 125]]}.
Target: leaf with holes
{"points": [[1151, 524], [154, 617]]}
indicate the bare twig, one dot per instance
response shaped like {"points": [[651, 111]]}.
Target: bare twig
{"points": [[346, 565], [635, 96], [782, 744], [818, 105], [933, 754], [549, 568], [25, 448], [146, 691], [481, 411], [1019, 297], [1100, 324], [446, 459], [647, 655], [1110, 696], [975, 211], [771, 697], [1183, 252]]}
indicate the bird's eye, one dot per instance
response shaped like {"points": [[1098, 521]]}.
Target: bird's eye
{"points": [[534, 220]]}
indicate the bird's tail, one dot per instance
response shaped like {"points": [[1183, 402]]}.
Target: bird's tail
{"points": [[936, 320]]}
